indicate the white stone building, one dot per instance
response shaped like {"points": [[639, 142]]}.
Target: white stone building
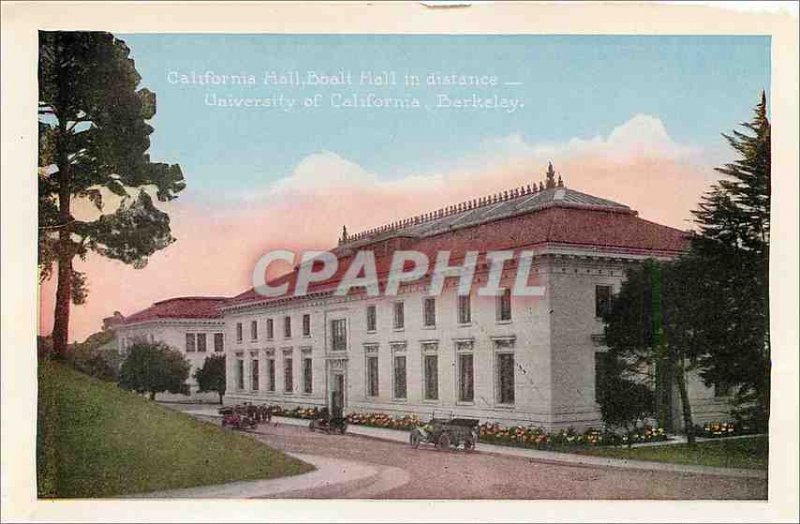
{"points": [[192, 325], [509, 359]]}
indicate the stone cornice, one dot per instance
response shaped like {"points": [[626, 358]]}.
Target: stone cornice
{"points": [[181, 322]]}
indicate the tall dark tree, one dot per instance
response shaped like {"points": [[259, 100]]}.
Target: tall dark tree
{"points": [[211, 377], [93, 142], [733, 244], [650, 329], [154, 368]]}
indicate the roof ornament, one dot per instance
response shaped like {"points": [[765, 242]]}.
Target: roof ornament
{"points": [[551, 176], [541, 186], [344, 237], [560, 182]]}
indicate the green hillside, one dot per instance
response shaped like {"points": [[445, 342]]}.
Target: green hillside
{"points": [[95, 440]]}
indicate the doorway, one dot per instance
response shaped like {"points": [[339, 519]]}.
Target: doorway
{"points": [[337, 395]]}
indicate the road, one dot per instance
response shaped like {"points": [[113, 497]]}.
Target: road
{"points": [[429, 474]]}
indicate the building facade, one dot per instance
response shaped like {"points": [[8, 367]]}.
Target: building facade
{"points": [[507, 359], [192, 325]]}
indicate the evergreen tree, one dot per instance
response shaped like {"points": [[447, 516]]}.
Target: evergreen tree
{"points": [[93, 142], [211, 377], [733, 249]]}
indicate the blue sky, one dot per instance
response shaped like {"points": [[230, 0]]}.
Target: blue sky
{"points": [[571, 87]]}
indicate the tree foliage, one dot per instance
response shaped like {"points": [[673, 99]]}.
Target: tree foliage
{"points": [[154, 368], [93, 143], [211, 377], [733, 245], [651, 324], [95, 358], [625, 403], [709, 310]]}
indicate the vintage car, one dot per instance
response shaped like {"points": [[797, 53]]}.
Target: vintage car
{"points": [[328, 424], [238, 417], [446, 433]]}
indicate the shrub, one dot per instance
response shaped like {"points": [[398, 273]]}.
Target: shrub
{"points": [[625, 404]]}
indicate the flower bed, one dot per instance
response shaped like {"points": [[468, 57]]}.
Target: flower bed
{"points": [[381, 420], [298, 412], [723, 429], [494, 433], [538, 438]]}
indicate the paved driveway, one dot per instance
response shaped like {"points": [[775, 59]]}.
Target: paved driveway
{"points": [[432, 474]]}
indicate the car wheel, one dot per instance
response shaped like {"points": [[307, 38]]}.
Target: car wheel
{"points": [[414, 439], [469, 443], [443, 442]]}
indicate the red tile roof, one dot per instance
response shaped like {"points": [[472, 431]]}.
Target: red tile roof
{"points": [[180, 307], [567, 221]]}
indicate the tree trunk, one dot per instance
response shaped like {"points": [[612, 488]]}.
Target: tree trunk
{"points": [[65, 246], [688, 424], [63, 299], [152, 395]]}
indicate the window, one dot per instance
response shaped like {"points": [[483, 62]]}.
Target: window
{"points": [[240, 374], [270, 329], [430, 362], [504, 369], [429, 312], [306, 325], [201, 342], [190, 342], [339, 334], [254, 330], [271, 374], [399, 315], [372, 320], [238, 332], [464, 313], [254, 374], [372, 375], [287, 327], [219, 343], [288, 377], [504, 306], [602, 300], [602, 367], [400, 376], [466, 379], [307, 375]]}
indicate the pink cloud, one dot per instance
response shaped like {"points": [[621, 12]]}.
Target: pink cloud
{"points": [[217, 248]]}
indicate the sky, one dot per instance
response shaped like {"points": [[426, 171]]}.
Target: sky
{"points": [[630, 118]]}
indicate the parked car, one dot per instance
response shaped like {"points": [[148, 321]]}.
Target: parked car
{"points": [[237, 417], [446, 434], [328, 424]]}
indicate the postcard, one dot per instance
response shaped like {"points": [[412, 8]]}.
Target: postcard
{"points": [[451, 265]]}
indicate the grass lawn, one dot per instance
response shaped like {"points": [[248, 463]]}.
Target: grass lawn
{"points": [[750, 453], [96, 440]]}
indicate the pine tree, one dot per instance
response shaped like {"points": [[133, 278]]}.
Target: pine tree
{"points": [[733, 248], [93, 142]]}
